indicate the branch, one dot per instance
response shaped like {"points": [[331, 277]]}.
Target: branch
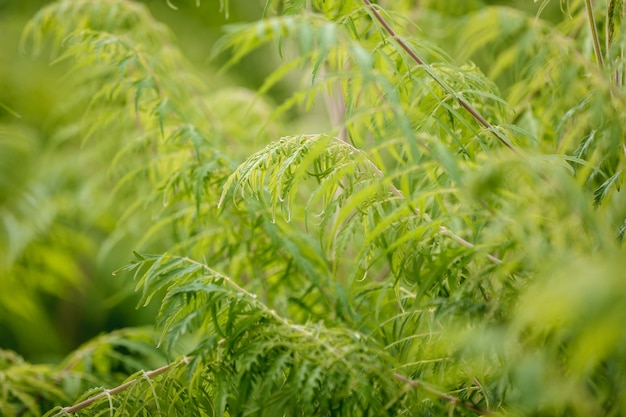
{"points": [[446, 397], [461, 101], [466, 105], [106, 393]]}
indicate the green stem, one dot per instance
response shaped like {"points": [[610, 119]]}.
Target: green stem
{"points": [[594, 34]]}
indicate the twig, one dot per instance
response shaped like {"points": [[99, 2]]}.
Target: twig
{"points": [[447, 397], [466, 105], [106, 393]]}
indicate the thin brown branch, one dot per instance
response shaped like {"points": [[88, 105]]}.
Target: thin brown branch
{"points": [[106, 393], [462, 102], [446, 397]]}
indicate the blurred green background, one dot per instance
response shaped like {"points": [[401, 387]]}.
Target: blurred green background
{"points": [[57, 217]]}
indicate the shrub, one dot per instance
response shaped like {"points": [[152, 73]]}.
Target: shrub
{"points": [[443, 241]]}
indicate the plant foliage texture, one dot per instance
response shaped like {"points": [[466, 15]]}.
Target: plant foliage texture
{"points": [[429, 223]]}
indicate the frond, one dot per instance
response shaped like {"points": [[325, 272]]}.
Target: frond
{"points": [[282, 167], [274, 365], [30, 389]]}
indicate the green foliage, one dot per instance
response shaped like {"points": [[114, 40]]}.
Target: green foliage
{"points": [[447, 240], [107, 359]]}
